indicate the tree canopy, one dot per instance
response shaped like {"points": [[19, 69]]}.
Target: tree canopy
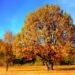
{"points": [[46, 32]]}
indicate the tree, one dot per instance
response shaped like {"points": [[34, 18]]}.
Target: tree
{"points": [[21, 50], [2, 48], [72, 51], [48, 31], [2, 52], [8, 37]]}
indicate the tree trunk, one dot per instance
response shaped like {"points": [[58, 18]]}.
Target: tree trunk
{"points": [[48, 67], [51, 66], [43, 62], [7, 66]]}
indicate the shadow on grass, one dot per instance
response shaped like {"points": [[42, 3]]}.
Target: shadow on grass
{"points": [[65, 69]]}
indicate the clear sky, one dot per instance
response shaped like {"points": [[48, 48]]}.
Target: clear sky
{"points": [[13, 12]]}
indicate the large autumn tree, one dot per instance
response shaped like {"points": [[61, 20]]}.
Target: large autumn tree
{"points": [[48, 31]]}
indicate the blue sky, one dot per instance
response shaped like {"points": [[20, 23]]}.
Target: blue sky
{"points": [[13, 12]]}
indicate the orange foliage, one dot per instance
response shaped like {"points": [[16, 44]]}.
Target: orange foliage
{"points": [[47, 31]]}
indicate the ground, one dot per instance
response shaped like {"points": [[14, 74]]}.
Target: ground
{"points": [[38, 70]]}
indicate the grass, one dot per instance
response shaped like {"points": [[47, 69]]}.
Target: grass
{"points": [[38, 70]]}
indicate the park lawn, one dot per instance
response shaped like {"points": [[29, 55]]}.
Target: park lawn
{"points": [[38, 70]]}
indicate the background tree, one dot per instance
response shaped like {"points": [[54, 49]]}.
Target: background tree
{"points": [[21, 50], [2, 53], [8, 37]]}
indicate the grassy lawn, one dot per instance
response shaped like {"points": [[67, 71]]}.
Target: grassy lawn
{"points": [[38, 70]]}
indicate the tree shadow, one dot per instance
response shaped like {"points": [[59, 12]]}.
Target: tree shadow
{"points": [[73, 68]]}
